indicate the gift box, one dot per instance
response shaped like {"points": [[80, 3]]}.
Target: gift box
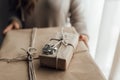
{"points": [[57, 53], [18, 42], [13, 65]]}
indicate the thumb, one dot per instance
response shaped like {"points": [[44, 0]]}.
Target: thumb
{"points": [[16, 25]]}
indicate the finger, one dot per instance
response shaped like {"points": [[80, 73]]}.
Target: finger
{"points": [[80, 37], [84, 39], [8, 28], [86, 43], [16, 25]]}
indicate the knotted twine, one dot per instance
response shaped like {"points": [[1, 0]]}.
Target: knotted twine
{"points": [[29, 58], [30, 51]]}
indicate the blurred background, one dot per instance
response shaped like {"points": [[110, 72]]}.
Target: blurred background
{"points": [[103, 22]]}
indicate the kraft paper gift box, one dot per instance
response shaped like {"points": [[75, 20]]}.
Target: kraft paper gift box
{"points": [[61, 58], [17, 40], [82, 66]]}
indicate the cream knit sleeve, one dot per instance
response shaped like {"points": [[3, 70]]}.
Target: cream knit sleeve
{"points": [[76, 17]]}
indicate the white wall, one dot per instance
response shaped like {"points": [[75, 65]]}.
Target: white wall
{"points": [[115, 72], [93, 10], [108, 36], [103, 22]]}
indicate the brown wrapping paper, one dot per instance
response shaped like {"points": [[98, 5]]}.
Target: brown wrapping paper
{"points": [[82, 66]]}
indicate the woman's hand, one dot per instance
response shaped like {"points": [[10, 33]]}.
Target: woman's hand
{"points": [[84, 38], [13, 25]]}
